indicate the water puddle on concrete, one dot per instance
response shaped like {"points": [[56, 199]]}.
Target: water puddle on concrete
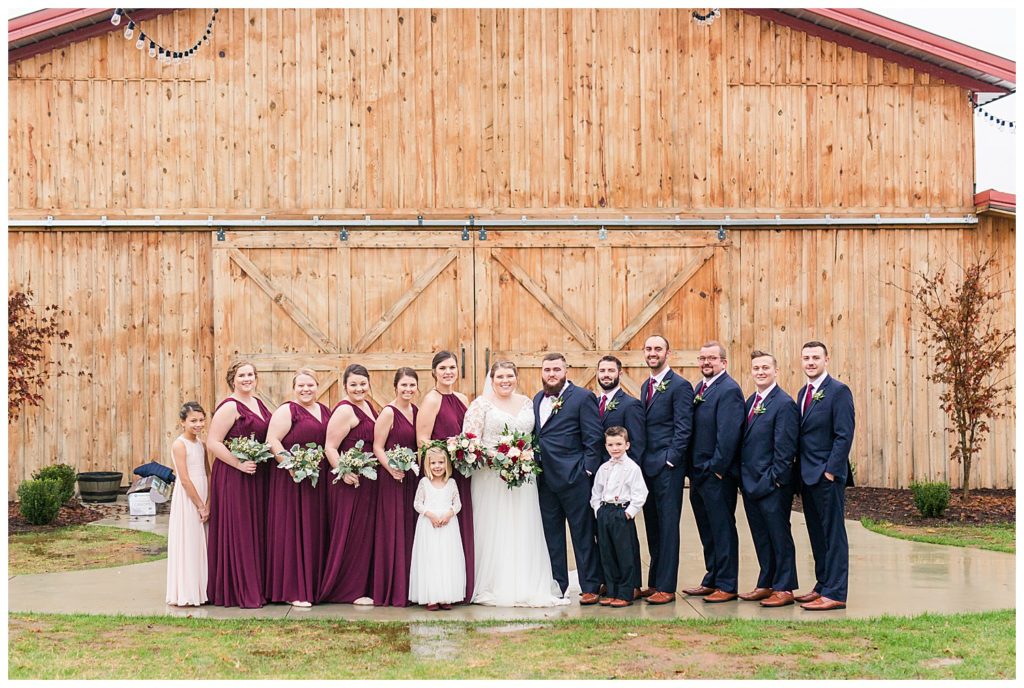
{"points": [[509, 628]]}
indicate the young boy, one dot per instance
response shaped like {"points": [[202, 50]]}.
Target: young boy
{"points": [[618, 496]]}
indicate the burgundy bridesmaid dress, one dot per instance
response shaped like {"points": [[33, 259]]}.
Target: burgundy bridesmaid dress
{"points": [[449, 424], [392, 537], [295, 517], [351, 510], [236, 532]]}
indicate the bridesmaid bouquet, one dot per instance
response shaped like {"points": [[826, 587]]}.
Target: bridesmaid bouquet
{"points": [[514, 458], [466, 452], [248, 449], [304, 461], [402, 459], [356, 462]]}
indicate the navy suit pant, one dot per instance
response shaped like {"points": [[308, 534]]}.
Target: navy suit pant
{"points": [[570, 504], [662, 510], [771, 531], [714, 509], [619, 547], [824, 508]]}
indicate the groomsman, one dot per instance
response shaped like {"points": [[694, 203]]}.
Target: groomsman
{"points": [[714, 473], [668, 409], [768, 473], [826, 434], [616, 408], [570, 438]]}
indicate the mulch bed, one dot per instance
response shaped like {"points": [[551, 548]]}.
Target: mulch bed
{"points": [[73, 513], [897, 506]]}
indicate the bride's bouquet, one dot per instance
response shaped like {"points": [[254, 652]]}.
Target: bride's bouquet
{"points": [[355, 462], [514, 458], [466, 452], [402, 459], [249, 449], [304, 462]]}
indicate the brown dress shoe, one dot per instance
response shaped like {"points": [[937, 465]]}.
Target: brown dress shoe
{"points": [[756, 595], [809, 597], [699, 591], [779, 598], [720, 596], [618, 604], [588, 598], [661, 598], [605, 601], [823, 604], [638, 593], [603, 590], [647, 592], [433, 607]]}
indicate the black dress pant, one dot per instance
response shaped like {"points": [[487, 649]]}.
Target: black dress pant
{"points": [[617, 535]]}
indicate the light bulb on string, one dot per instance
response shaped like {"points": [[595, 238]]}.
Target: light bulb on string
{"points": [[129, 30], [141, 43], [152, 49], [116, 19]]}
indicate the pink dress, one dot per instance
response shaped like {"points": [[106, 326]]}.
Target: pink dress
{"points": [[186, 533]]}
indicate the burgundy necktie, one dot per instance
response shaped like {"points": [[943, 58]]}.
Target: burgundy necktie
{"points": [[703, 386], [807, 398], [650, 391], [750, 416], [604, 401]]}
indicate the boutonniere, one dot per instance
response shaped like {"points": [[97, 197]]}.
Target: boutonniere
{"points": [[759, 409], [818, 396], [556, 405], [699, 399], [610, 406], [662, 386]]}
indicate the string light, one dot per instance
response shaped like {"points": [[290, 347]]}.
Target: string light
{"points": [[706, 19], [998, 122], [162, 54]]}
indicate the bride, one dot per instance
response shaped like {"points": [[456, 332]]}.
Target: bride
{"points": [[513, 568]]}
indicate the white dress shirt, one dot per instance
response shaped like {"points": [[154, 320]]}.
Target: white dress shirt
{"points": [[619, 480], [708, 381], [610, 394], [814, 385], [545, 405]]}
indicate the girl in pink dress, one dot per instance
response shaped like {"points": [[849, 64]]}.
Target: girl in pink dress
{"points": [[186, 533]]}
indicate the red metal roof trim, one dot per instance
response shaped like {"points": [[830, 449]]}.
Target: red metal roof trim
{"points": [[76, 35], [845, 40], [996, 200], [47, 20], [923, 40]]}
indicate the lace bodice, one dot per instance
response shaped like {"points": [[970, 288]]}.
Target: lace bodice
{"points": [[486, 421]]}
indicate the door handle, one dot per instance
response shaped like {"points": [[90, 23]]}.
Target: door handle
{"points": [[463, 363], [487, 360]]}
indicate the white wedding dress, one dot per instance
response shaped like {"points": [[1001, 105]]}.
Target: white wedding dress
{"points": [[512, 567]]}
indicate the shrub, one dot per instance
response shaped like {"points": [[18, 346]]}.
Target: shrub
{"points": [[40, 500], [63, 473], [931, 499]]}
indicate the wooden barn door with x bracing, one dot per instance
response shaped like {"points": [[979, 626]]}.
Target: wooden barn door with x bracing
{"points": [[573, 292], [308, 298]]}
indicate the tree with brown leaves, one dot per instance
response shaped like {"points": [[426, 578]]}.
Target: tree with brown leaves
{"points": [[29, 336], [970, 353]]}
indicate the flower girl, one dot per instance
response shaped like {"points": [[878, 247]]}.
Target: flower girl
{"points": [[438, 575], [190, 508]]}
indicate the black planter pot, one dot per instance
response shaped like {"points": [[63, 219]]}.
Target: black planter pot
{"points": [[99, 486]]}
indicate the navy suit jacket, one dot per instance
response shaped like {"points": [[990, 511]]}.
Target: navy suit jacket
{"points": [[571, 441], [669, 421], [628, 413], [768, 452], [826, 433], [717, 431]]}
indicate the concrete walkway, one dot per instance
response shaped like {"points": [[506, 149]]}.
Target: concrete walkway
{"points": [[887, 576]]}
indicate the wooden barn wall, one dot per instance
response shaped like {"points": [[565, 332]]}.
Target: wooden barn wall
{"points": [[140, 312], [482, 111], [142, 316]]}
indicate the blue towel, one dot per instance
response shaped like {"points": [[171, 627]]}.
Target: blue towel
{"points": [[153, 468]]}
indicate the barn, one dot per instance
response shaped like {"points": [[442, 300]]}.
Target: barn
{"points": [[326, 186]]}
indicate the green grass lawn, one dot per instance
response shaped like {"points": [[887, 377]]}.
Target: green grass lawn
{"points": [[977, 646], [81, 547], [1000, 537]]}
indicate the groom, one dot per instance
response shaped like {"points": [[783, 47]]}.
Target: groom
{"points": [[569, 433]]}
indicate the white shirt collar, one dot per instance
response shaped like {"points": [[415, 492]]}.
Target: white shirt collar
{"points": [[610, 393], [661, 376], [710, 381], [817, 383], [561, 391], [764, 394]]}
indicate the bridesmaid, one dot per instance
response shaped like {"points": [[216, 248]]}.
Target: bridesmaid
{"points": [[441, 415], [352, 502], [236, 534], [392, 538], [295, 523]]}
